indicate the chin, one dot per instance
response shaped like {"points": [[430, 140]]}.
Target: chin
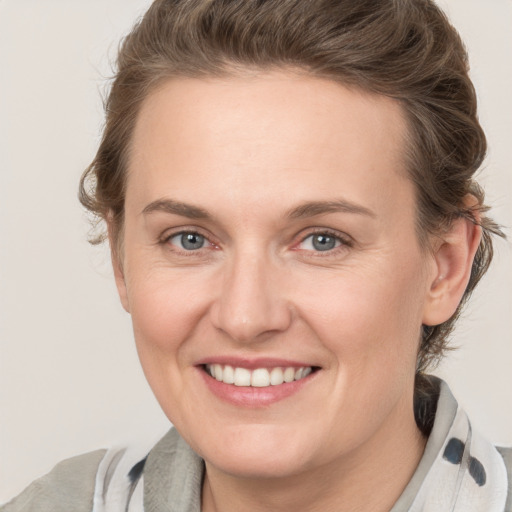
{"points": [[259, 465], [258, 454]]}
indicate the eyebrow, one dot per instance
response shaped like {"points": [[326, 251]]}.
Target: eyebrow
{"points": [[312, 208], [304, 210], [176, 208]]}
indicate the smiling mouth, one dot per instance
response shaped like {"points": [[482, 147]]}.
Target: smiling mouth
{"points": [[259, 377]]}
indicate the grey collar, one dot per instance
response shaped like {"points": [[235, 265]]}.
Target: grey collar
{"points": [[173, 476]]}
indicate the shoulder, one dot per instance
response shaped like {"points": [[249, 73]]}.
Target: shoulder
{"points": [[112, 479], [506, 453], [69, 486]]}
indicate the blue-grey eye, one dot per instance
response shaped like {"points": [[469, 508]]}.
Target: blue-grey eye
{"points": [[320, 242], [189, 241]]}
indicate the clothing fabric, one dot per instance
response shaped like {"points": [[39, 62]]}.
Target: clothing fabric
{"points": [[459, 472]]}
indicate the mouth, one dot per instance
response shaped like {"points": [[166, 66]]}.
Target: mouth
{"points": [[255, 383], [258, 377]]}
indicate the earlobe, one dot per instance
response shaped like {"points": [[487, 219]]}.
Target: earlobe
{"points": [[117, 266], [453, 260]]}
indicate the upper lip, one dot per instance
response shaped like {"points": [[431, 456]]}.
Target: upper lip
{"points": [[253, 363]]}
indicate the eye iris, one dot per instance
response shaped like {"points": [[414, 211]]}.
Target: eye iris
{"points": [[324, 242], [191, 241]]}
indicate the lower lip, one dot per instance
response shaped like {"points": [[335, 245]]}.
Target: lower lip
{"points": [[248, 396]]}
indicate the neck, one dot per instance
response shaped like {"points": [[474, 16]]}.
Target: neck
{"points": [[372, 477]]}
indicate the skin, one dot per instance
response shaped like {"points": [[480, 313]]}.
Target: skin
{"points": [[249, 150]]}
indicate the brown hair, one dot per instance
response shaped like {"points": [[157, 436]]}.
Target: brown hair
{"points": [[404, 49]]}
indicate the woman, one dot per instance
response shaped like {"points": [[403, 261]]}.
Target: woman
{"points": [[288, 190]]}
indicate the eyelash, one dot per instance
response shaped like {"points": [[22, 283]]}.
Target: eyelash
{"points": [[166, 240], [344, 242]]}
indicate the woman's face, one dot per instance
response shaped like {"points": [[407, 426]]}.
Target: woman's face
{"points": [[269, 228]]}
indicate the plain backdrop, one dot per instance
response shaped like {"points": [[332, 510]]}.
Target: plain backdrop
{"points": [[70, 381]]}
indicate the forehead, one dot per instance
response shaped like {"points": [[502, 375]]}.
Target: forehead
{"points": [[237, 136]]}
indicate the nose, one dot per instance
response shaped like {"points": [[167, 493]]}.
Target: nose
{"points": [[251, 305]]}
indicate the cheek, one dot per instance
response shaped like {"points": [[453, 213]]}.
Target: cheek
{"points": [[166, 309], [371, 327], [366, 314]]}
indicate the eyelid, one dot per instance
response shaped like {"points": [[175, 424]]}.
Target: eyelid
{"points": [[346, 240], [168, 234]]}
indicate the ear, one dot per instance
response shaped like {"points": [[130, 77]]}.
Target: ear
{"points": [[117, 265], [453, 260]]}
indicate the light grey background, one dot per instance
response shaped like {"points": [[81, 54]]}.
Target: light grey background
{"points": [[69, 377]]}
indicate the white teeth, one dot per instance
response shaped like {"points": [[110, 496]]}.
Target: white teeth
{"points": [[276, 376], [289, 374], [242, 377], [229, 375], [258, 378]]}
